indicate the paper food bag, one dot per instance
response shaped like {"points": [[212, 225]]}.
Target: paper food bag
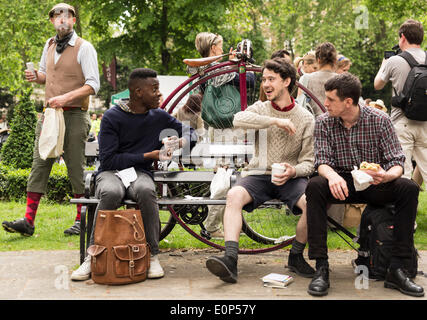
{"points": [[220, 183], [361, 179]]}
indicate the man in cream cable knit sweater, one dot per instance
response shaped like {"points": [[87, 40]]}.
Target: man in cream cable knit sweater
{"points": [[289, 130]]}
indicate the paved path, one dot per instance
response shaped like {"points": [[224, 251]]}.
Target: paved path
{"points": [[44, 275]]}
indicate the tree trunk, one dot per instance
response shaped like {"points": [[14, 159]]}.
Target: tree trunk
{"points": [[164, 38]]}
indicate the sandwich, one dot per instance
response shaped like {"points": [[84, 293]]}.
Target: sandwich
{"points": [[369, 166]]}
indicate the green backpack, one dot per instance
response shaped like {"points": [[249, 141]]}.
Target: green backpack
{"points": [[219, 105]]}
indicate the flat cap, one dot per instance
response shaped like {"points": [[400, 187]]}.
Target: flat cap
{"points": [[60, 8]]}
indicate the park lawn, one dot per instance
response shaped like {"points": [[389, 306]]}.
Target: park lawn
{"points": [[52, 219]]}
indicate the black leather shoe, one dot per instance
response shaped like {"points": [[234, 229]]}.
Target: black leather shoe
{"points": [[21, 226], [297, 264], [223, 267], [320, 284], [398, 279]]}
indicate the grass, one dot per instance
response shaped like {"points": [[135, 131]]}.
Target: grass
{"points": [[52, 219]]}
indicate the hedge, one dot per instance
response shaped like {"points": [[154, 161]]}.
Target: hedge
{"points": [[13, 184]]}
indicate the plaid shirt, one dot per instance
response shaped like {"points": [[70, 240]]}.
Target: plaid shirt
{"points": [[371, 139]]}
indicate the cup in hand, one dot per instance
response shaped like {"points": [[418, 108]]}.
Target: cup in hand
{"points": [[171, 143], [30, 68], [276, 168]]}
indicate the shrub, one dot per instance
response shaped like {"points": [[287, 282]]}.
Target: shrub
{"points": [[17, 151], [13, 184]]}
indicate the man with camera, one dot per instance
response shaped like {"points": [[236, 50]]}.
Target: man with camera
{"points": [[412, 134]]}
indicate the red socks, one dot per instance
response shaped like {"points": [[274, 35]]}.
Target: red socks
{"points": [[79, 206], [33, 200]]}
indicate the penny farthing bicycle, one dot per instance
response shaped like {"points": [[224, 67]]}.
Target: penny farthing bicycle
{"points": [[267, 228]]}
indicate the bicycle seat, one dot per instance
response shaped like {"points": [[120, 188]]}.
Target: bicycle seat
{"points": [[201, 61]]}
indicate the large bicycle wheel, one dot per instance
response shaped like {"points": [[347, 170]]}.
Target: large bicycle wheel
{"points": [[193, 217], [167, 221]]}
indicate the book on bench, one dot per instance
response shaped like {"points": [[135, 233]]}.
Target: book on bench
{"points": [[276, 280]]}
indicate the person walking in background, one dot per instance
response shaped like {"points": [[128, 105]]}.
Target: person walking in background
{"points": [[69, 70]]}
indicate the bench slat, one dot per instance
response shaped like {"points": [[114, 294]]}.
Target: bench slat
{"points": [[173, 201]]}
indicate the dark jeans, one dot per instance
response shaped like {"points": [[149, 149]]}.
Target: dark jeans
{"points": [[402, 192]]}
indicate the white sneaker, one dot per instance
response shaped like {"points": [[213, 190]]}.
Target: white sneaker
{"points": [[155, 270], [83, 272]]}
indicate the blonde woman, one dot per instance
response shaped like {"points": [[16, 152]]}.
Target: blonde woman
{"points": [[210, 45], [306, 64], [343, 64]]}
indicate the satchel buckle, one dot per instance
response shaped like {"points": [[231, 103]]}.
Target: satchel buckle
{"points": [[131, 264], [135, 249]]}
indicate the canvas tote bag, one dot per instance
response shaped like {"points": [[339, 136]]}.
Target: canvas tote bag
{"points": [[51, 141]]}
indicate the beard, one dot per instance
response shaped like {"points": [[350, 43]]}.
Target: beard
{"points": [[63, 29]]}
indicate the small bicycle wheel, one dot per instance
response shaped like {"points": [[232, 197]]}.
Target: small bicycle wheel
{"points": [[192, 218], [270, 224]]}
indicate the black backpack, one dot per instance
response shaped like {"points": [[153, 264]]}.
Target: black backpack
{"points": [[413, 98], [375, 240]]}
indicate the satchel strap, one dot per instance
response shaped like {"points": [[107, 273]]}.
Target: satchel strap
{"points": [[134, 225]]}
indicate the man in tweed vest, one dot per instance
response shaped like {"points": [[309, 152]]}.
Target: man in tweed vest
{"points": [[69, 70]]}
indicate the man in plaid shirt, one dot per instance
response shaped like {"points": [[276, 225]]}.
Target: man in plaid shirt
{"points": [[345, 136]]}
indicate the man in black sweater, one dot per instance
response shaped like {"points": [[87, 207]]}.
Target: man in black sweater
{"points": [[131, 138]]}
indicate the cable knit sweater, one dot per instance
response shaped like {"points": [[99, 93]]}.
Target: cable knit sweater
{"points": [[276, 145]]}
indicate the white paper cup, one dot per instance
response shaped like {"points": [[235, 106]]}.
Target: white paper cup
{"points": [[276, 168]]}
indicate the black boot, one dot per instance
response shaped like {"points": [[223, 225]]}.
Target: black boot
{"points": [[398, 279], [297, 264], [320, 284], [21, 226], [223, 267]]}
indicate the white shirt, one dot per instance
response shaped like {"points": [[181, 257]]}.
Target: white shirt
{"points": [[86, 57]]}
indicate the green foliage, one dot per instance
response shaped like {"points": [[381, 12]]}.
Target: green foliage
{"points": [[17, 152], [159, 34], [24, 29], [13, 184], [360, 30], [156, 34]]}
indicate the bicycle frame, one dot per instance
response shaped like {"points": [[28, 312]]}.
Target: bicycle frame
{"points": [[241, 67]]}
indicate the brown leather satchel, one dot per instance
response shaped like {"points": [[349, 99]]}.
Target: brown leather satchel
{"points": [[120, 253]]}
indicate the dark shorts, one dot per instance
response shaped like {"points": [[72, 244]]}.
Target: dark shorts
{"points": [[261, 189]]}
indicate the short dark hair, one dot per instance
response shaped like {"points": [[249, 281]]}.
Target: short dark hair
{"points": [[347, 86], [413, 31], [280, 54], [140, 74], [283, 68]]}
